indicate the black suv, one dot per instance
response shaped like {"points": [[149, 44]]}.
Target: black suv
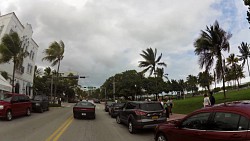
{"points": [[141, 115], [40, 103]]}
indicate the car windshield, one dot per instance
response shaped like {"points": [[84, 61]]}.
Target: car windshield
{"points": [[5, 97], [38, 98], [151, 106]]}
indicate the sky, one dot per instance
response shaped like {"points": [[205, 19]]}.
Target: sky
{"points": [[106, 37]]}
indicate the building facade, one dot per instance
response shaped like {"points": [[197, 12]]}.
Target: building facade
{"points": [[23, 76]]}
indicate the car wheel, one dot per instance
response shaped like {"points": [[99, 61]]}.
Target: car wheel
{"points": [[131, 128], [118, 120], [41, 110], [75, 116], [9, 115], [161, 137], [28, 113]]}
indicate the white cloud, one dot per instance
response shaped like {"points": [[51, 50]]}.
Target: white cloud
{"points": [[105, 37]]}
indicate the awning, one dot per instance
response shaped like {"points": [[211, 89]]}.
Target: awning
{"points": [[4, 84]]}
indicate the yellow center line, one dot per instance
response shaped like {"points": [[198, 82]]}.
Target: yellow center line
{"points": [[60, 130]]}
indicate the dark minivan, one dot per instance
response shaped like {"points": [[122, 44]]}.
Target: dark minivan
{"points": [[40, 103], [141, 114], [12, 104]]}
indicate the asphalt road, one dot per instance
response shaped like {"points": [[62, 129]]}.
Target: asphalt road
{"points": [[58, 124]]}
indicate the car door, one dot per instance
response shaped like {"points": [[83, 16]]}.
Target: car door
{"points": [[128, 110], [191, 129], [228, 126], [15, 106]]}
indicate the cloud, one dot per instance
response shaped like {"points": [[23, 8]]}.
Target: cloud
{"points": [[105, 37]]}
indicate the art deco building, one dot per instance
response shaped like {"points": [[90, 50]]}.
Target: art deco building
{"points": [[24, 75]]}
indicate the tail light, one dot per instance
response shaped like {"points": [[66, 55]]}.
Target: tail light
{"points": [[84, 109], [140, 113]]}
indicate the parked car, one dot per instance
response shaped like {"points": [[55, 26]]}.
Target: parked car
{"points": [[223, 122], [84, 109], [115, 108], [141, 114], [12, 105], [107, 104], [40, 103]]}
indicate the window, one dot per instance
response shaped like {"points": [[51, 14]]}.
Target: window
{"points": [[198, 121], [229, 122], [151, 106], [131, 106]]}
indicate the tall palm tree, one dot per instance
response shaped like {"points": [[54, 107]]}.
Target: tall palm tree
{"points": [[150, 61], [54, 54], [11, 50], [209, 47], [245, 53]]}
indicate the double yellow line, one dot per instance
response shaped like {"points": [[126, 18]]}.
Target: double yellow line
{"points": [[56, 135]]}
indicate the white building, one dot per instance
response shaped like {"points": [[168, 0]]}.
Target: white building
{"points": [[24, 76]]}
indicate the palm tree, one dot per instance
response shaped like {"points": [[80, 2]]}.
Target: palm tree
{"points": [[54, 54], [205, 80], [11, 50], [209, 47], [245, 53], [151, 61]]}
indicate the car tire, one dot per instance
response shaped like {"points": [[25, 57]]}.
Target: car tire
{"points": [[131, 128], [28, 112], [41, 110], [161, 137], [9, 115], [118, 119], [75, 116]]}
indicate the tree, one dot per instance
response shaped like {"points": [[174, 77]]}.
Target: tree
{"points": [[151, 61], [205, 80], [245, 53], [247, 3], [11, 50], [192, 82], [209, 47], [54, 54]]}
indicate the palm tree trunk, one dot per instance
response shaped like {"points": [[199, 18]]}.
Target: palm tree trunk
{"points": [[13, 75], [248, 67], [223, 78], [57, 76]]}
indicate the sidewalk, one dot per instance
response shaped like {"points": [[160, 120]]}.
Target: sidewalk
{"points": [[176, 116]]}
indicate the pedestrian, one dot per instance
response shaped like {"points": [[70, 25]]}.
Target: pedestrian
{"points": [[170, 105], [166, 108], [160, 100], [212, 99], [206, 101]]}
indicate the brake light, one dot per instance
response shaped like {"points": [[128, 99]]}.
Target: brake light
{"points": [[140, 113], [84, 109]]}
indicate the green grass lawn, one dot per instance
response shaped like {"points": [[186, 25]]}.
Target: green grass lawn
{"points": [[188, 105]]}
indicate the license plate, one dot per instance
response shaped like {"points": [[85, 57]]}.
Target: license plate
{"points": [[154, 117], [84, 114]]}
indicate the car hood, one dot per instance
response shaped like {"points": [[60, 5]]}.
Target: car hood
{"points": [[4, 103]]}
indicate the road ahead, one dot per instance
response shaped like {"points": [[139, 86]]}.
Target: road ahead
{"points": [[59, 124]]}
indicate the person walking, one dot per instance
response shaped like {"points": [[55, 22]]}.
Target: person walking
{"points": [[166, 108], [206, 101], [170, 105], [212, 99]]}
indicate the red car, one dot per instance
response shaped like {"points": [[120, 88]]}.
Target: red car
{"points": [[223, 122], [12, 104]]}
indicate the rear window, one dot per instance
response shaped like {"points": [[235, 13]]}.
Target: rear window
{"points": [[84, 104], [151, 106]]}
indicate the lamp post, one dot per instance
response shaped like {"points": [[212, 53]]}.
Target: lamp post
{"points": [[135, 91]]}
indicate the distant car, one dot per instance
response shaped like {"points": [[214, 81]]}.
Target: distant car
{"points": [[107, 104], [222, 122], [84, 109], [115, 108], [12, 104], [141, 115], [96, 101], [40, 103]]}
